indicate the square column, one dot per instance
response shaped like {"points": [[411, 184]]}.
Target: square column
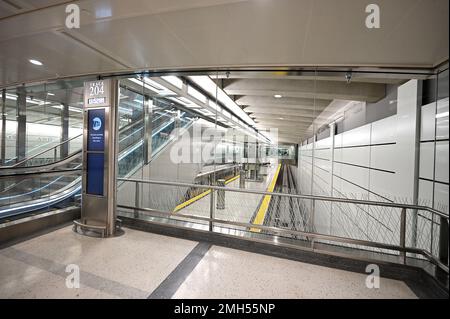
{"points": [[100, 153]]}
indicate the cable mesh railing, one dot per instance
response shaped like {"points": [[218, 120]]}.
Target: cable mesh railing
{"points": [[232, 211]]}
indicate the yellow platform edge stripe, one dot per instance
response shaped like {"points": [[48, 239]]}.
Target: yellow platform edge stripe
{"points": [[200, 196], [262, 211]]}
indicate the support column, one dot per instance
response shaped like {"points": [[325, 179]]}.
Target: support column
{"points": [[100, 153], [64, 149], [3, 132], [148, 119], [313, 203], [408, 138], [332, 145], [256, 161], [3, 137], [21, 135]]}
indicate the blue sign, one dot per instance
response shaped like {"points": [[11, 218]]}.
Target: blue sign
{"points": [[95, 149], [95, 173], [96, 130]]}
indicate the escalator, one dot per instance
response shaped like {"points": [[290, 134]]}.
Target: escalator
{"points": [[25, 187]]}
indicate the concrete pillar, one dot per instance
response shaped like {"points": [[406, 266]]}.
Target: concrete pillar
{"points": [[148, 118], [21, 134], [64, 149], [313, 203], [332, 145], [242, 178], [257, 161], [409, 101], [221, 194], [3, 131]]}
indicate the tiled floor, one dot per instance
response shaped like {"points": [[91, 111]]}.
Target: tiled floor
{"points": [[230, 273], [130, 266], [239, 207], [139, 263]]}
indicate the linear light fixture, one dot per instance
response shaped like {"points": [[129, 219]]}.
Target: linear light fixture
{"points": [[174, 80], [441, 115], [196, 94], [207, 84], [59, 107], [75, 109]]}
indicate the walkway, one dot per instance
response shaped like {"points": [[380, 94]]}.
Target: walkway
{"points": [[145, 265], [239, 207]]}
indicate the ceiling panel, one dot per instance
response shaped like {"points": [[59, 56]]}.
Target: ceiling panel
{"points": [[173, 34]]}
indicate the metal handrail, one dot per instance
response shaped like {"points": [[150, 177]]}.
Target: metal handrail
{"points": [[42, 152], [130, 126], [310, 197], [73, 171], [281, 230], [228, 166], [125, 128], [401, 248], [40, 168]]}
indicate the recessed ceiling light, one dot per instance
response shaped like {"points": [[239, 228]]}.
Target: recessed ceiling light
{"points": [[51, 94], [35, 62], [281, 118], [278, 96]]}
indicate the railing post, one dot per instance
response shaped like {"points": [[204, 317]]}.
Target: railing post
{"points": [[211, 210], [136, 199], [443, 240], [221, 194], [241, 179], [312, 216], [403, 234]]}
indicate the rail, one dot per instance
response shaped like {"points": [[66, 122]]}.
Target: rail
{"points": [[402, 248], [42, 152], [73, 171]]}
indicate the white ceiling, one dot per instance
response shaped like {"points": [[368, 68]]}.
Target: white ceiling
{"points": [[169, 34], [117, 35]]}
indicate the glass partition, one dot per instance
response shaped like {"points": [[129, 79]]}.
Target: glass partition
{"points": [[342, 135]]}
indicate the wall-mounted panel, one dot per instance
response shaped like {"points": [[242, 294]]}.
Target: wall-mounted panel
{"points": [[356, 155], [384, 131], [427, 127], [383, 157], [384, 184], [442, 119], [357, 136], [441, 197], [425, 193], [442, 162], [426, 169]]}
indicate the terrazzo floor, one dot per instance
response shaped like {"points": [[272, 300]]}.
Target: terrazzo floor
{"points": [[138, 263]]}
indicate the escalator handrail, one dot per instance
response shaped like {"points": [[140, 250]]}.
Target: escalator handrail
{"points": [[71, 171], [40, 168], [130, 126], [40, 153], [78, 171], [58, 145], [133, 146]]}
